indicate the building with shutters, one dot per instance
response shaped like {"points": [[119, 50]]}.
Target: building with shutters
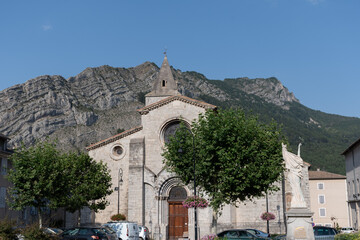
{"points": [[328, 194]]}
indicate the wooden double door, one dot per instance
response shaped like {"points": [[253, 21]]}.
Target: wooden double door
{"points": [[178, 220]]}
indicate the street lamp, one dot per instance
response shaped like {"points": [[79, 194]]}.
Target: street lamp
{"points": [[120, 181], [180, 151], [267, 210]]}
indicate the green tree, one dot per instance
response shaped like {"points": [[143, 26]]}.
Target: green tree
{"points": [[237, 157], [89, 182], [37, 178], [43, 177]]}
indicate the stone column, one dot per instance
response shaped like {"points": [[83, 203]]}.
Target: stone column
{"points": [[299, 224], [136, 206]]}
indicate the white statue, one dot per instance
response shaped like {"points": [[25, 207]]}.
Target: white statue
{"points": [[294, 165]]}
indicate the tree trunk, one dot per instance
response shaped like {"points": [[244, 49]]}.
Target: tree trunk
{"points": [[214, 222], [79, 218], [39, 217]]}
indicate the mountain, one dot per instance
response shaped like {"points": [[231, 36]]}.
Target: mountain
{"points": [[100, 102]]}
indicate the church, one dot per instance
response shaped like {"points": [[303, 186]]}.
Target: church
{"points": [[146, 193]]}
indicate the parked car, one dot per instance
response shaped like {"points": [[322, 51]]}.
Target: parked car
{"points": [[258, 233], [110, 233], [84, 233], [143, 233], [280, 237], [52, 231], [124, 230], [327, 233], [347, 230], [238, 234]]}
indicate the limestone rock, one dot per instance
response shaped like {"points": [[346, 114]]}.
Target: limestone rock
{"points": [[98, 102]]}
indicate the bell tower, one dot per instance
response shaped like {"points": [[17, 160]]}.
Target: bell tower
{"points": [[164, 86]]}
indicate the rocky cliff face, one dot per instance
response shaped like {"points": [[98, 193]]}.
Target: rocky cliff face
{"points": [[269, 89], [100, 101]]}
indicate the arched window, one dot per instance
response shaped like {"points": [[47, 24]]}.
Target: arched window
{"points": [[177, 194]]}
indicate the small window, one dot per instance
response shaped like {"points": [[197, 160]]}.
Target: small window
{"points": [[320, 186], [321, 199], [117, 152], [322, 212], [163, 83]]}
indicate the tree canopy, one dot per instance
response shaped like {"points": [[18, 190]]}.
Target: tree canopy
{"points": [[87, 181], [43, 177], [236, 156]]}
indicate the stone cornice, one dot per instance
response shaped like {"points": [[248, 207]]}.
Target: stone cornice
{"points": [[145, 110], [114, 138]]}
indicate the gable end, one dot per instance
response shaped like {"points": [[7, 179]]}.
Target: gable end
{"points": [[114, 138], [147, 109]]}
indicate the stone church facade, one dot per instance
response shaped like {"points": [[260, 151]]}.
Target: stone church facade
{"points": [[150, 195]]}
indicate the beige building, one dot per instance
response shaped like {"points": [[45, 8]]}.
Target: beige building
{"points": [[328, 196], [150, 195]]}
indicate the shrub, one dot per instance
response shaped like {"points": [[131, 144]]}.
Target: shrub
{"points": [[7, 230], [118, 217], [350, 236], [33, 232]]}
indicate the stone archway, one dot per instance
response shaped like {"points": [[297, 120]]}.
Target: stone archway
{"points": [[178, 215]]}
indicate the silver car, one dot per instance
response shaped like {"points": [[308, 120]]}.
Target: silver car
{"points": [[143, 233]]}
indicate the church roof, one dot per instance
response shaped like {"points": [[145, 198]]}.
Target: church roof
{"points": [[113, 138], [165, 84], [145, 110], [322, 175]]}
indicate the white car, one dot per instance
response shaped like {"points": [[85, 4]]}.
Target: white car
{"points": [[124, 230], [347, 230], [143, 233]]}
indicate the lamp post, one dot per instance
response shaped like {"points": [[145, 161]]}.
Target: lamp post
{"points": [[118, 188], [267, 210], [180, 151]]}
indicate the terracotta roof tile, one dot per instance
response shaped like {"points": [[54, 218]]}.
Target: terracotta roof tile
{"points": [[113, 138], [324, 175]]}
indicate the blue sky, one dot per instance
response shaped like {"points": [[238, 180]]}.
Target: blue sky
{"points": [[311, 46]]}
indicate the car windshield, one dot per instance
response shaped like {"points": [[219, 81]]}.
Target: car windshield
{"points": [[99, 231], [108, 230], [72, 231], [324, 231]]}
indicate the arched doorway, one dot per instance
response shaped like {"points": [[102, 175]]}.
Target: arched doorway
{"points": [[178, 215]]}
